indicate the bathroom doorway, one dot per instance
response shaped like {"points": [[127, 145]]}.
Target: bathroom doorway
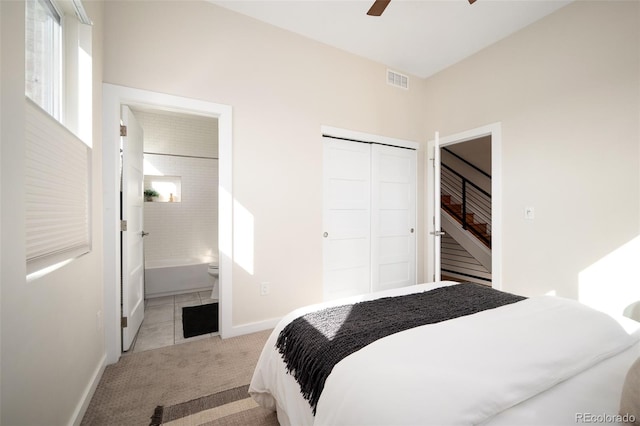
{"points": [[180, 160], [114, 97]]}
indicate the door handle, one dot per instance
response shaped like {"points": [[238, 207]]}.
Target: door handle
{"points": [[437, 233], [326, 234], [144, 234]]}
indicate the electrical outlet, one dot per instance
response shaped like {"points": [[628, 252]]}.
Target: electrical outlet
{"points": [[265, 288]]}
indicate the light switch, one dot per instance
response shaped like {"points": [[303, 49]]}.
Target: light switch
{"points": [[529, 213]]}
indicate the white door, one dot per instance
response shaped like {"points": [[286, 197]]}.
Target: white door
{"points": [[436, 232], [132, 213], [393, 217], [346, 218]]}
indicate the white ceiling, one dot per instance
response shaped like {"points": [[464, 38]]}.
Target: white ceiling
{"points": [[412, 36]]}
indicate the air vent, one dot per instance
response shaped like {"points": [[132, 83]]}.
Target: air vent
{"points": [[396, 79]]}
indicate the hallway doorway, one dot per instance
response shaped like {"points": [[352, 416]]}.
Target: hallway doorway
{"points": [[433, 242], [465, 187]]}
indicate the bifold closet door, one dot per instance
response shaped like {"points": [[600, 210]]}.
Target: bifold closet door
{"points": [[346, 218], [393, 217]]}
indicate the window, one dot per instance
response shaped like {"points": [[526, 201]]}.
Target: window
{"points": [[43, 56], [58, 88]]}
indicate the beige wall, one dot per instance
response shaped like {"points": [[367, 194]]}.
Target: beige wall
{"points": [[567, 92], [282, 88], [52, 344]]}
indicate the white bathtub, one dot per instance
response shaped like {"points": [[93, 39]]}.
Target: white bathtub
{"points": [[175, 276]]}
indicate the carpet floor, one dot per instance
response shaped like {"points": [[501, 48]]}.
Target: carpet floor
{"points": [[130, 390]]}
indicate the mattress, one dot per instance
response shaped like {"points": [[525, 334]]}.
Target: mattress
{"points": [[545, 360]]}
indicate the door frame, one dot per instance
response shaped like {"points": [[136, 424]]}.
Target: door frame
{"points": [[113, 97], [495, 131]]}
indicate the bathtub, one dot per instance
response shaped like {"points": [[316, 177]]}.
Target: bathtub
{"points": [[175, 276]]}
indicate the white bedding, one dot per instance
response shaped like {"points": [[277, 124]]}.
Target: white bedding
{"points": [[495, 367]]}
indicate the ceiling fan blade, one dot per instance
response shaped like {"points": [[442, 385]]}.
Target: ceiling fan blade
{"points": [[378, 7]]}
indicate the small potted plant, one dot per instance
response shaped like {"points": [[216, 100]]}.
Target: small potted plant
{"points": [[150, 194]]}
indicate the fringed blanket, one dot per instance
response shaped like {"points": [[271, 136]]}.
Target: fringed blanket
{"points": [[313, 344]]}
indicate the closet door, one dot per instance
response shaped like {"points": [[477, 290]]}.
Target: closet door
{"points": [[346, 217], [393, 217]]}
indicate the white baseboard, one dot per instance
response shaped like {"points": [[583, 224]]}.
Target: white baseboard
{"points": [[83, 404], [253, 327]]}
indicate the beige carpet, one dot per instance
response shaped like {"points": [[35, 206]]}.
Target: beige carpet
{"points": [[130, 390]]}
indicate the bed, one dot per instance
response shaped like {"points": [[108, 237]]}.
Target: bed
{"points": [[537, 361]]}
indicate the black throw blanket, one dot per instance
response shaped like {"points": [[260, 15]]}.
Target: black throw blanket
{"points": [[311, 345]]}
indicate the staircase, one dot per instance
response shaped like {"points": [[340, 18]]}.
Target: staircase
{"points": [[457, 263], [479, 229], [466, 219]]}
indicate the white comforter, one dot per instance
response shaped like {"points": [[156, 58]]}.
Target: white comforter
{"points": [[462, 371]]}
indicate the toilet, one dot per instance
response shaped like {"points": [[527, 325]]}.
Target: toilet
{"points": [[213, 271]]}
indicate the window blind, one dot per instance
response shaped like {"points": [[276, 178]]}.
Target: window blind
{"points": [[57, 179]]}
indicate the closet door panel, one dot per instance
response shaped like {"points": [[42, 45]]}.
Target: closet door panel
{"points": [[391, 247], [353, 223], [348, 193], [394, 222], [349, 273], [394, 272], [346, 218], [395, 195], [395, 167], [393, 217]]}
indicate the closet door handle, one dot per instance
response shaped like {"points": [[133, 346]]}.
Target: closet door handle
{"points": [[326, 234], [412, 230]]}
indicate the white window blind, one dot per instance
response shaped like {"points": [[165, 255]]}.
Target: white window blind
{"points": [[58, 177]]}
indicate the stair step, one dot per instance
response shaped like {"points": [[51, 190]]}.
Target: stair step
{"points": [[455, 211], [480, 227], [457, 208]]}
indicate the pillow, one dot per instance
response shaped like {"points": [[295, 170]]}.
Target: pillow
{"points": [[630, 401]]}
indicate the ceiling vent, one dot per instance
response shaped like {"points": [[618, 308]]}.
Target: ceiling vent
{"points": [[396, 79]]}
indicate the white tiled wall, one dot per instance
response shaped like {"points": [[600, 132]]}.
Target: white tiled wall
{"points": [[179, 134], [188, 228]]}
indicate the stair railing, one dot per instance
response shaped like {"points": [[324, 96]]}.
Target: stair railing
{"points": [[475, 202], [468, 163]]}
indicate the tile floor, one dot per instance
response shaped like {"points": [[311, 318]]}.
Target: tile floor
{"points": [[162, 324]]}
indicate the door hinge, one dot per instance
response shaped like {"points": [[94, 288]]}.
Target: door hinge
{"points": [[123, 322], [123, 130], [123, 225]]}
